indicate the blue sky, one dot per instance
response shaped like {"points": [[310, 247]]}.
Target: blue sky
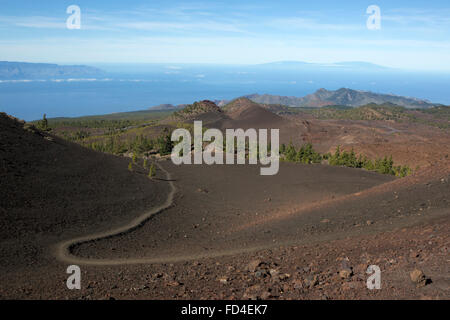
{"points": [[413, 35]]}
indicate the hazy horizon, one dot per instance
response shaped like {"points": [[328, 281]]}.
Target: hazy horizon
{"points": [[126, 88], [412, 35]]}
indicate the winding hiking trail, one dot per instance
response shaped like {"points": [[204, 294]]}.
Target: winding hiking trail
{"points": [[63, 249], [63, 252]]}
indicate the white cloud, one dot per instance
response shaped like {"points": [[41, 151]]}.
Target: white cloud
{"points": [[311, 24], [207, 26], [33, 22]]}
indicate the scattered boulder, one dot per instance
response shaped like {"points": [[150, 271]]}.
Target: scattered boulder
{"points": [[174, 284], [252, 293], [346, 273], [298, 284], [349, 285], [261, 273], [266, 295], [253, 265], [284, 276], [311, 281], [223, 280], [418, 278], [273, 273]]}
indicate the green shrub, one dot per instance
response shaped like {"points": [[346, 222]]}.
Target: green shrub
{"points": [[306, 154]]}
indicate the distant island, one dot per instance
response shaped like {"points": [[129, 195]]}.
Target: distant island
{"points": [[302, 65], [25, 70]]}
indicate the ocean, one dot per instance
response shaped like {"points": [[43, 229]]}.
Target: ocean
{"points": [[137, 87]]}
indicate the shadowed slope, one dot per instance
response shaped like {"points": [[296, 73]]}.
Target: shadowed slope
{"points": [[53, 189]]}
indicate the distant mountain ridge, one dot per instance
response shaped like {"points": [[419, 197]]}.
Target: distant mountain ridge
{"points": [[25, 70], [167, 107], [343, 97]]}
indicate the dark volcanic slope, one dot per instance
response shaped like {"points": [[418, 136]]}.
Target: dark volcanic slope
{"points": [[54, 190], [241, 113], [302, 222], [245, 113], [206, 111], [213, 202]]}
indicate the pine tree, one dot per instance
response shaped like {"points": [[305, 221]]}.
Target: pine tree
{"points": [[43, 124], [335, 159], [283, 149], [390, 166], [291, 153], [360, 161], [353, 160], [165, 143], [152, 171]]}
